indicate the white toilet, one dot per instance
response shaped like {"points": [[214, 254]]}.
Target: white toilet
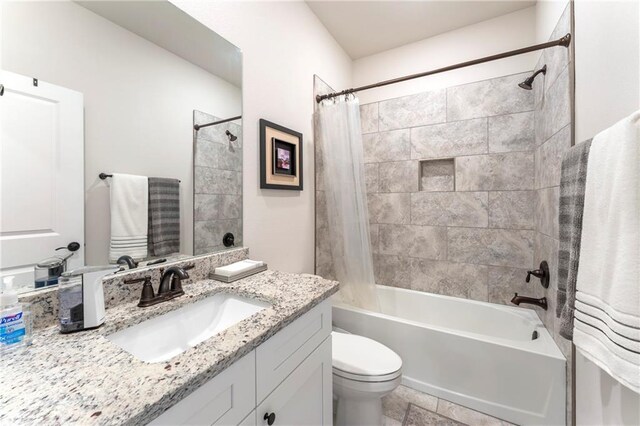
{"points": [[363, 372]]}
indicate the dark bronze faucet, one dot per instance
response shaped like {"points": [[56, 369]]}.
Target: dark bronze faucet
{"points": [[171, 281], [542, 302], [127, 260], [170, 286], [542, 273]]}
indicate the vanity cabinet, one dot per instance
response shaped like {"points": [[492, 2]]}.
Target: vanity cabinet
{"points": [[284, 381], [305, 397]]}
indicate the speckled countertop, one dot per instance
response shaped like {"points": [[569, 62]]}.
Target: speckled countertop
{"points": [[83, 378]]}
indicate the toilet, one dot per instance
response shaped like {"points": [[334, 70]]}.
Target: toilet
{"points": [[363, 372]]}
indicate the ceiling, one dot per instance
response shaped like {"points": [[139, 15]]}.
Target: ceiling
{"points": [[184, 36], [364, 28]]}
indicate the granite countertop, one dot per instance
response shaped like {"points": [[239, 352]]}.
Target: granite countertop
{"points": [[84, 378]]}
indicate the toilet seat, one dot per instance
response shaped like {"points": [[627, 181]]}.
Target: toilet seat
{"points": [[362, 359]]}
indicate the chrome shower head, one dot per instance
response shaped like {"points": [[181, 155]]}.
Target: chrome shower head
{"points": [[528, 83], [231, 136]]}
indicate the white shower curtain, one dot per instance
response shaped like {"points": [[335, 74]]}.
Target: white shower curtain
{"points": [[348, 217]]}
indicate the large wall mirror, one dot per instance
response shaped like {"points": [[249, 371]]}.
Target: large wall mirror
{"points": [[121, 137]]}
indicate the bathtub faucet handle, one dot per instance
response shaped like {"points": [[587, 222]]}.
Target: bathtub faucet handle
{"points": [[542, 273]]}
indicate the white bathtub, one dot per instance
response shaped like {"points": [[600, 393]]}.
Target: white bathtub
{"points": [[476, 354]]}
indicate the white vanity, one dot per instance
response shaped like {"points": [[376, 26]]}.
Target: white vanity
{"points": [[253, 352], [286, 380]]}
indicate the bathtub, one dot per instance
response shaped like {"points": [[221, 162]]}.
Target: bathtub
{"points": [[496, 359]]}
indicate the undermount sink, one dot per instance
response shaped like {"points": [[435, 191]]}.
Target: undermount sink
{"points": [[161, 338]]}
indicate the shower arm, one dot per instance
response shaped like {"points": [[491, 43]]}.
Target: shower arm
{"points": [[563, 41], [197, 127]]}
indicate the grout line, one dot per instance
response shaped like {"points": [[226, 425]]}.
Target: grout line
{"points": [[439, 123], [467, 191], [462, 227], [449, 157]]}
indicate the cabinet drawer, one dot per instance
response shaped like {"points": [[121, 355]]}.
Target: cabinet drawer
{"points": [[281, 354], [305, 396], [226, 399]]}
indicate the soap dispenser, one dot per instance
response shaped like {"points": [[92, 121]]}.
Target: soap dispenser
{"points": [[47, 271], [15, 319], [81, 298]]}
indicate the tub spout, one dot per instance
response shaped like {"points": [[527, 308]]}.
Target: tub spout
{"points": [[542, 302]]}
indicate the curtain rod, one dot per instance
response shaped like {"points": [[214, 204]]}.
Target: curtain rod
{"points": [[563, 41], [200, 126]]}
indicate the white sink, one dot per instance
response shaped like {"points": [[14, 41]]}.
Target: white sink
{"points": [[161, 338]]}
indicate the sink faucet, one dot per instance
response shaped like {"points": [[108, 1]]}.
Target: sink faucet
{"points": [[170, 286], [171, 281], [542, 302], [128, 260]]}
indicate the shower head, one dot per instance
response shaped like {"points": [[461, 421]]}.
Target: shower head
{"points": [[528, 83], [231, 136]]}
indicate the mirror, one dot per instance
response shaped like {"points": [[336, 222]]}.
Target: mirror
{"points": [[100, 156]]}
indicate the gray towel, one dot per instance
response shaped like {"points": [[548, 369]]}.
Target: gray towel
{"points": [[164, 216], [572, 186]]}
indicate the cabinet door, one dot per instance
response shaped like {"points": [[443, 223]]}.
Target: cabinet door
{"points": [[226, 399], [305, 396], [282, 353], [250, 420]]}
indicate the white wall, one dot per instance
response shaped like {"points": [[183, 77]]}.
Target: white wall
{"points": [[497, 35], [139, 100], [607, 50], [548, 12], [283, 45], [607, 55]]}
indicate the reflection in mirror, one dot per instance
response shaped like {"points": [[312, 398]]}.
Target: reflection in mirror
{"points": [[98, 138], [217, 199]]}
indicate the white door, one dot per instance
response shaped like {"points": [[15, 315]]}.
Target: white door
{"points": [[305, 397], [41, 174]]}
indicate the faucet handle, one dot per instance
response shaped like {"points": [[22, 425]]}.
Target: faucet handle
{"points": [[542, 273], [148, 295]]}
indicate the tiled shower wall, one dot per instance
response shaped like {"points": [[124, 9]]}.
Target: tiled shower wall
{"points": [[217, 200], [450, 183]]}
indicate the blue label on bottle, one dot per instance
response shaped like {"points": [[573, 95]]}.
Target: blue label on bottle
{"points": [[12, 329]]}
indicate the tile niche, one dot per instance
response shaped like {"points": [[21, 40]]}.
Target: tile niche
{"points": [[437, 175]]}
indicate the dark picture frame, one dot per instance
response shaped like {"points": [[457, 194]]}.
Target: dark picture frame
{"points": [[280, 157]]}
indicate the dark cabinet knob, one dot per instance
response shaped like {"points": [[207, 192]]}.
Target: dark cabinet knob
{"points": [[270, 418]]}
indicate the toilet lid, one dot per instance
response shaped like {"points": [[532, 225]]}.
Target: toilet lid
{"points": [[362, 356]]}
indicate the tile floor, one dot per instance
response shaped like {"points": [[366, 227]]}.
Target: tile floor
{"points": [[408, 407]]}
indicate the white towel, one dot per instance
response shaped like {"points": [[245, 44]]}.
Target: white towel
{"points": [[129, 216], [607, 311]]}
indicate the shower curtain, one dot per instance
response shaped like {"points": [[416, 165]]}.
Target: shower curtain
{"points": [[340, 141]]}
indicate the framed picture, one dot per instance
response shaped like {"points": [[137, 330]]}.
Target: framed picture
{"points": [[280, 157], [284, 157]]}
